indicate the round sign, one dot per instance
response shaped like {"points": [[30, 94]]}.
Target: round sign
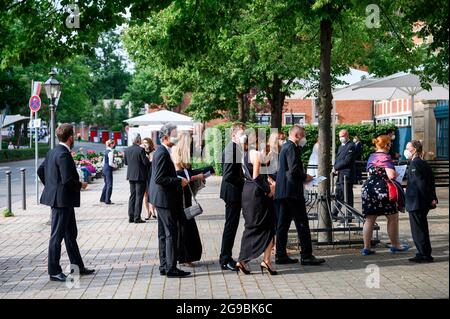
{"points": [[35, 103]]}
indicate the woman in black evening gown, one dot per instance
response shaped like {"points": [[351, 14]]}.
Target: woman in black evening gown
{"points": [[189, 243], [258, 212]]}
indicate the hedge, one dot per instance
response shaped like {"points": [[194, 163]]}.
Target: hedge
{"points": [[22, 153], [365, 132]]}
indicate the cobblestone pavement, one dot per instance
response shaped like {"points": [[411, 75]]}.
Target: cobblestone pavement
{"points": [[126, 258]]}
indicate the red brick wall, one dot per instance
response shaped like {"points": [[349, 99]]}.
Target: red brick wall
{"points": [[350, 112], [298, 106]]}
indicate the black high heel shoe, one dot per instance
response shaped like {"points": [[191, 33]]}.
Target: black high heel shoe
{"points": [[242, 268], [264, 265]]}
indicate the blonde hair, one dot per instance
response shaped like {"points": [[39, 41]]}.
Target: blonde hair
{"points": [[181, 152], [273, 142]]}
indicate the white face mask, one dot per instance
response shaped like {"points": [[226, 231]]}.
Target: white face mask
{"points": [[355, 140], [343, 140], [393, 137], [173, 140], [407, 154], [302, 142], [243, 139]]}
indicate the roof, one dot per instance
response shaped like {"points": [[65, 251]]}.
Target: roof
{"points": [[160, 118]]}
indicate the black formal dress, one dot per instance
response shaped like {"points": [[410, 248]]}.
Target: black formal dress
{"points": [[189, 242], [166, 196], [137, 174], [61, 192], [231, 193], [289, 192], [420, 192], [259, 214], [345, 165]]}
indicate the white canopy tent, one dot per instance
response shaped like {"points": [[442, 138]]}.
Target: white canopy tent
{"points": [[150, 123], [160, 118]]}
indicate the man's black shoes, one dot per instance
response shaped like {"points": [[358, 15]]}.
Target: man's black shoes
{"points": [[162, 272], [285, 260], [312, 261], [174, 273], [86, 271], [59, 277], [139, 221], [231, 265], [421, 259]]}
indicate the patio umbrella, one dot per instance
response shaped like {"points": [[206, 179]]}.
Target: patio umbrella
{"points": [[397, 86]]}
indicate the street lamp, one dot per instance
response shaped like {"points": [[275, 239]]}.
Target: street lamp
{"points": [[52, 89]]}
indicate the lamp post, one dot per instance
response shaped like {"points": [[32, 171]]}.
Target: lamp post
{"points": [[52, 89]]}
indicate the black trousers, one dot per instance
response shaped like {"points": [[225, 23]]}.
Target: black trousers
{"points": [[420, 233], [167, 237], [293, 209], [232, 215], [340, 195], [137, 190], [107, 187], [64, 226]]}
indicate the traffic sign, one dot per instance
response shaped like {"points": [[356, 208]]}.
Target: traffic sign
{"points": [[35, 103]]}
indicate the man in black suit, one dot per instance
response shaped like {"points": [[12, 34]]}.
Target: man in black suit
{"points": [[420, 198], [231, 193], [344, 166], [166, 195], [61, 192], [289, 193], [137, 172]]}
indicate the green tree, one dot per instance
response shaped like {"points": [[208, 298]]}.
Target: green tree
{"points": [[144, 88]]}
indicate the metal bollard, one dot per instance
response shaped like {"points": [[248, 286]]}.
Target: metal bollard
{"points": [[24, 191], [8, 189]]}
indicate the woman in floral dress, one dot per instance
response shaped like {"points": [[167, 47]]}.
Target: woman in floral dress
{"points": [[375, 196]]}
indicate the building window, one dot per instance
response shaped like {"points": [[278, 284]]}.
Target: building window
{"points": [[299, 118], [263, 118]]}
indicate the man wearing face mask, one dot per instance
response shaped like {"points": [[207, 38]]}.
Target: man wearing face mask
{"points": [[61, 192], [231, 193], [289, 193], [166, 195], [137, 173], [394, 155], [344, 166], [420, 198]]}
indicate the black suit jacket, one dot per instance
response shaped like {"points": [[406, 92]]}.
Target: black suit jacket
{"points": [[345, 162], [165, 187], [138, 163], [61, 181], [291, 174], [421, 190], [358, 151], [232, 175]]}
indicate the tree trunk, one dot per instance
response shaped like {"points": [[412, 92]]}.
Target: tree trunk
{"points": [[241, 107], [277, 102], [324, 110]]}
